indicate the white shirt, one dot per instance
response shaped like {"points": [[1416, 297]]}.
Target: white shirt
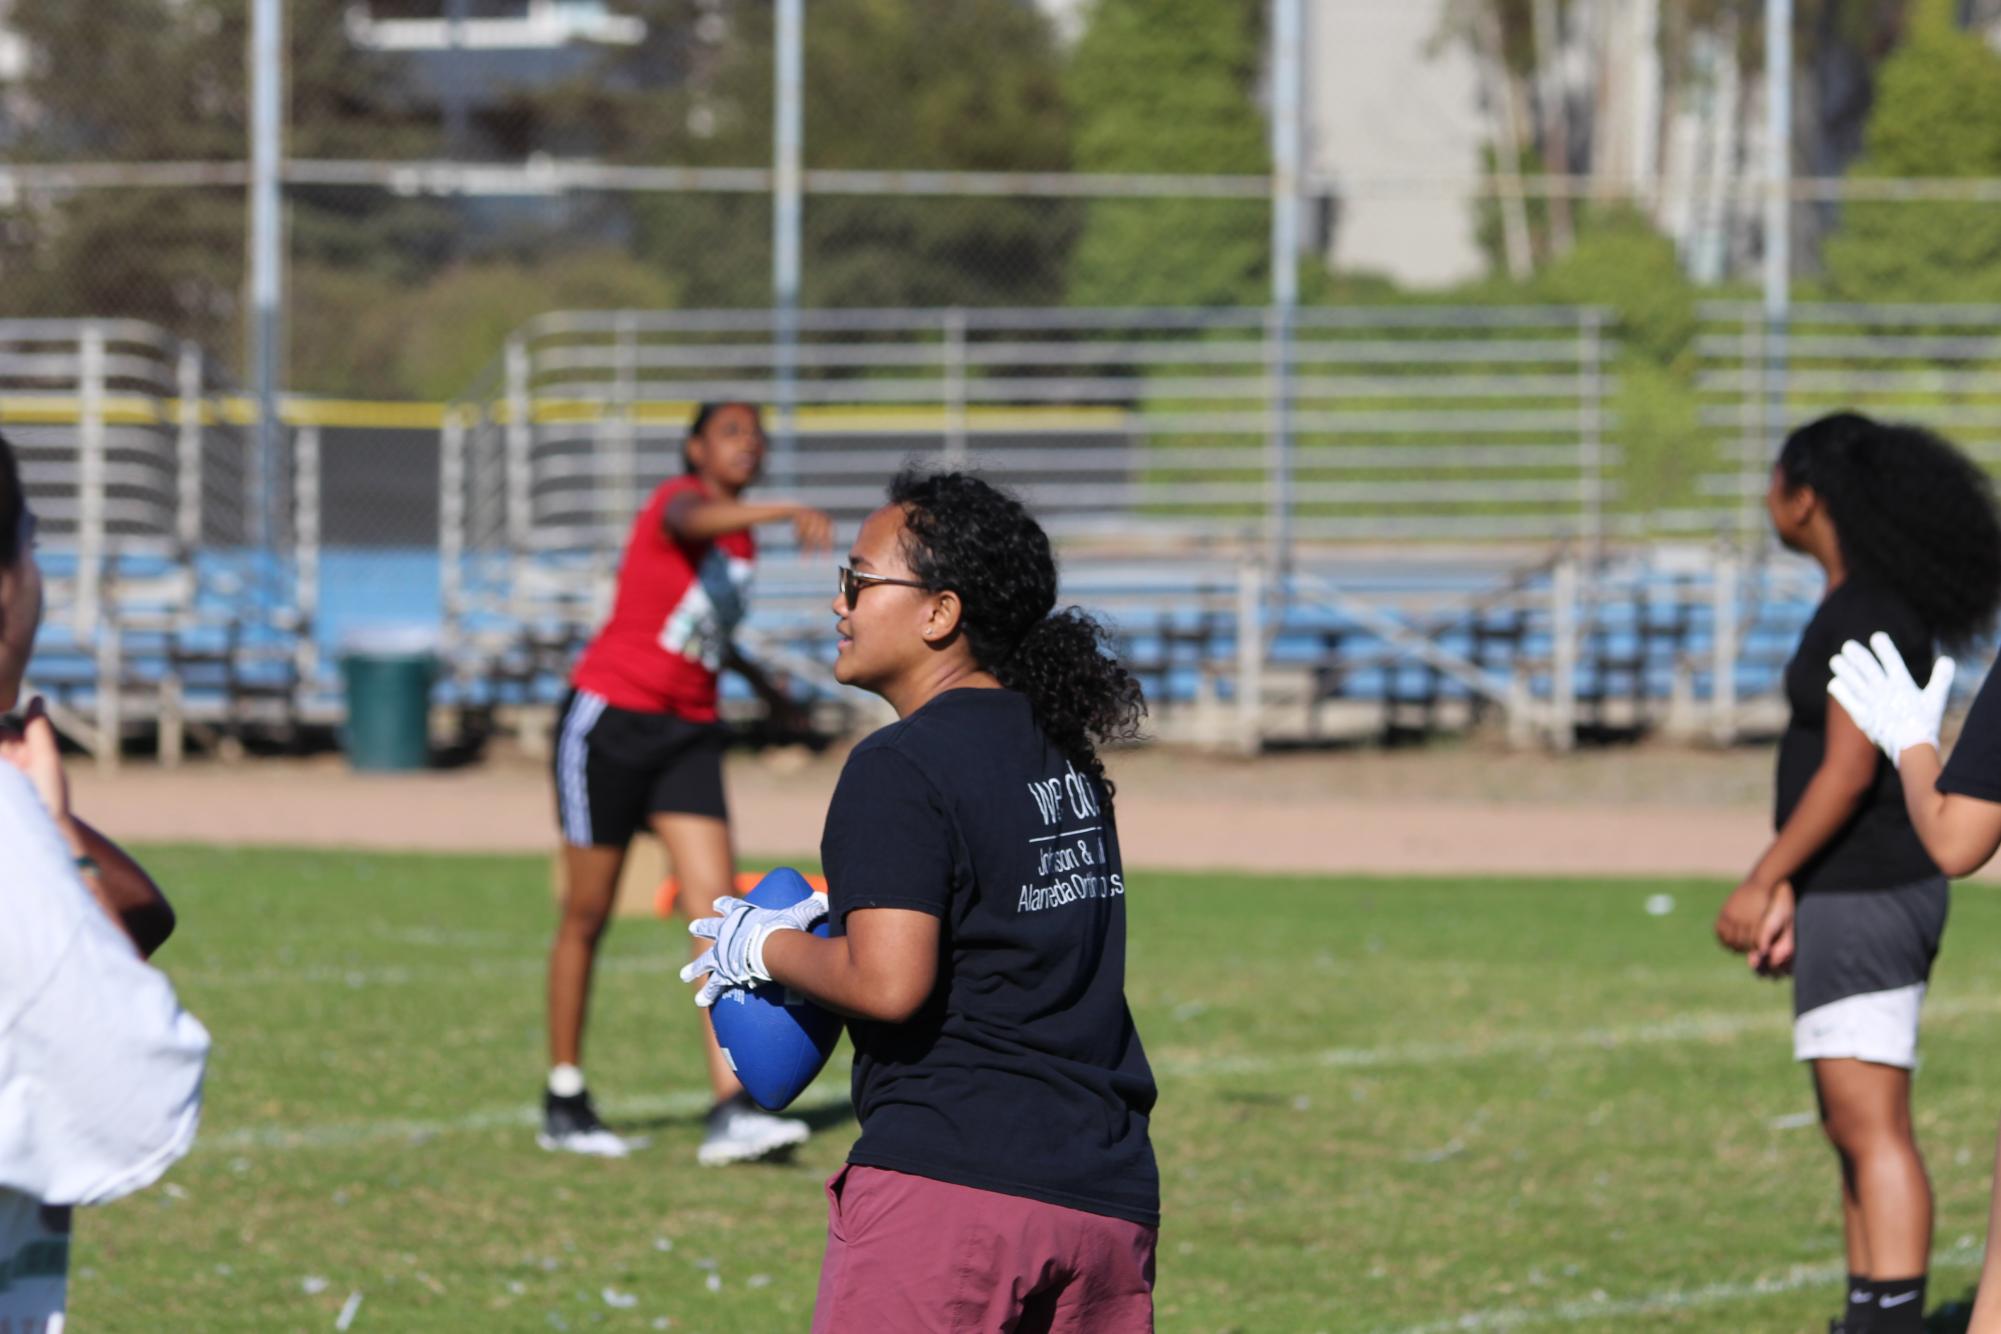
{"points": [[100, 1068]]}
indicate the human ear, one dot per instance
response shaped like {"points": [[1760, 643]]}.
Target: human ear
{"points": [[943, 620]]}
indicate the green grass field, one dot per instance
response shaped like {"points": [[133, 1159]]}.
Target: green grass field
{"points": [[1385, 1106]]}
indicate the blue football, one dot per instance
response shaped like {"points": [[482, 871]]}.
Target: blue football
{"points": [[776, 1040]]}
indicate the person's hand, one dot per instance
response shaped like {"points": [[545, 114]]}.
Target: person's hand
{"points": [[1772, 954], [1737, 924], [813, 529], [1877, 691], [737, 957], [32, 748]]}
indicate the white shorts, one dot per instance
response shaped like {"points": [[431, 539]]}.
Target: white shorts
{"points": [[1876, 1026]]}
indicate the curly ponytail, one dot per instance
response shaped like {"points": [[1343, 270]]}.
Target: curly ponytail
{"points": [[1911, 512], [969, 536]]}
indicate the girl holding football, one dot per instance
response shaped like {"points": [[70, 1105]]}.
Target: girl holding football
{"points": [[1004, 1176]]}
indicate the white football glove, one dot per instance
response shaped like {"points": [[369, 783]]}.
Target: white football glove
{"points": [[737, 957], [1877, 691]]}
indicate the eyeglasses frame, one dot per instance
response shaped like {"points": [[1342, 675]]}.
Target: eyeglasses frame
{"points": [[852, 582]]}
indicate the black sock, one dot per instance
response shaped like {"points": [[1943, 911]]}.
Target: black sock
{"points": [[1861, 1304], [1900, 1305]]}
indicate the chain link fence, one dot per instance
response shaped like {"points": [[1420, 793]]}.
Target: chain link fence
{"points": [[454, 169]]}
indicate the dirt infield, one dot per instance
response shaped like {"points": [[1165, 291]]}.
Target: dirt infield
{"points": [[1462, 809]]}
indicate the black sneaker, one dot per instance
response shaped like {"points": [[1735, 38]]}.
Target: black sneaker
{"points": [[571, 1125]]}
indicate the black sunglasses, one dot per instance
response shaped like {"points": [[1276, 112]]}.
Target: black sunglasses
{"points": [[852, 584]]}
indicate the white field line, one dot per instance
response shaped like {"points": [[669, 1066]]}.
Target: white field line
{"points": [[524, 1115], [400, 975], [1694, 1029], [1664, 1302]]}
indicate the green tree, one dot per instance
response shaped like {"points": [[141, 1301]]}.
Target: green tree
{"points": [[374, 338], [972, 85], [166, 80], [1170, 86], [1937, 114]]}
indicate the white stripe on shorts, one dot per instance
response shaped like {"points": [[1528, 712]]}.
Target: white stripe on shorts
{"points": [[572, 792], [1877, 1026]]}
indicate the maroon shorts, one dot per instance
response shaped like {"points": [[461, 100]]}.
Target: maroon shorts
{"points": [[909, 1254]]}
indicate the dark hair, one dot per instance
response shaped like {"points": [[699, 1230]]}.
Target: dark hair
{"points": [[13, 504], [973, 538], [703, 412], [1911, 512]]}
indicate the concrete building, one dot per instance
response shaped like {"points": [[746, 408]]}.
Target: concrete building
{"points": [[1395, 128]]}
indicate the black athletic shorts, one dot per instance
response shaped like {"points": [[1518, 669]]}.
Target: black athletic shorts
{"points": [[616, 767]]}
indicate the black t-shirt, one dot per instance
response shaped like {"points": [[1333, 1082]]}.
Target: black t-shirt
{"points": [[1877, 848], [1022, 1073], [1975, 767]]}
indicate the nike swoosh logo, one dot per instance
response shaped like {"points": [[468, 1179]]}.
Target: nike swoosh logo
{"points": [[1860, 1298], [1887, 1302]]}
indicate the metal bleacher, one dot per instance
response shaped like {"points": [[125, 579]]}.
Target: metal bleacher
{"points": [[1456, 547], [164, 613]]}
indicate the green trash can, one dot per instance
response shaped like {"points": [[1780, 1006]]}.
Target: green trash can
{"points": [[387, 676]]}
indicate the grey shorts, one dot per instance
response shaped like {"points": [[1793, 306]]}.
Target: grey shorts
{"points": [[1863, 960]]}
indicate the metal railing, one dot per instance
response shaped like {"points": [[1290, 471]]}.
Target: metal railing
{"points": [[1160, 447], [1938, 366], [1187, 429], [162, 578]]}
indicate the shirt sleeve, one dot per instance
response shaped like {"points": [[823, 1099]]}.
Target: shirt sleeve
{"points": [[888, 840], [1975, 767], [100, 1068]]}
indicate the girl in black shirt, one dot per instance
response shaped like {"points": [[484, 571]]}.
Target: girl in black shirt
{"points": [[1004, 1176], [1955, 808], [1846, 897]]}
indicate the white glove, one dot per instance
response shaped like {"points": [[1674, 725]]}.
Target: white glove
{"points": [[1877, 691], [737, 957]]}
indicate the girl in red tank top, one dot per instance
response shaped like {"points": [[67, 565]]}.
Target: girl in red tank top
{"points": [[639, 748]]}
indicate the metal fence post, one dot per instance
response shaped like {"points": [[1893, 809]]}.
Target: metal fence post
{"points": [[622, 493], [451, 530], [520, 461], [90, 535], [1751, 446], [110, 696], [1278, 443], [1723, 665], [306, 541], [1250, 657], [1590, 446], [1563, 655], [188, 448], [955, 387], [787, 191]]}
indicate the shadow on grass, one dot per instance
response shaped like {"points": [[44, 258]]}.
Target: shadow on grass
{"points": [[1952, 1317], [819, 1116]]}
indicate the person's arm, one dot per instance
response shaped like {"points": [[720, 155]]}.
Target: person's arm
{"points": [[784, 710], [121, 887], [693, 517], [882, 969], [104, 1069], [1960, 833], [124, 889], [1832, 796]]}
